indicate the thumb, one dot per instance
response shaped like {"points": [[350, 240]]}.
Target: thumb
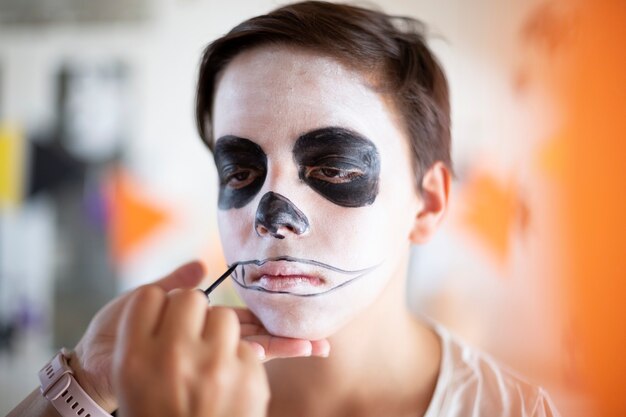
{"points": [[188, 275]]}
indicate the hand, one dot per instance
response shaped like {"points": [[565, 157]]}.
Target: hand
{"points": [[270, 347], [177, 357], [91, 360]]}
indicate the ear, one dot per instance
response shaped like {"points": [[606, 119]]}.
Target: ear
{"points": [[434, 203]]}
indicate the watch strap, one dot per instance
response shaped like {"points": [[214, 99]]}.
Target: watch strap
{"points": [[60, 387]]}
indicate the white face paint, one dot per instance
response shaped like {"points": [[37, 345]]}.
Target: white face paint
{"points": [[294, 282]]}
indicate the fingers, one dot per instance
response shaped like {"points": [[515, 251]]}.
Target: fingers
{"points": [[245, 316], [122, 324], [150, 311], [184, 316], [280, 347], [221, 329], [143, 311], [188, 275], [275, 347], [143, 304], [320, 348], [219, 375]]}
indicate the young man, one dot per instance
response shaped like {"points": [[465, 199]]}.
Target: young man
{"points": [[329, 125]]}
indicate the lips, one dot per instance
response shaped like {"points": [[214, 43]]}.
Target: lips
{"points": [[288, 282], [284, 276], [295, 276]]}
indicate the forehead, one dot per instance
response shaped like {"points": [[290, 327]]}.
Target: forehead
{"points": [[278, 91]]}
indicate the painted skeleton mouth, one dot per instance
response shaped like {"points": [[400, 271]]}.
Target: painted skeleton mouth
{"points": [[294, 276]]}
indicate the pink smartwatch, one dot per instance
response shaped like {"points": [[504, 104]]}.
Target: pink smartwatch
{"points": [[59, 386]]}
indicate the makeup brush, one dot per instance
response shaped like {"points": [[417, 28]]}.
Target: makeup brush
{"points": [[220, 280]]}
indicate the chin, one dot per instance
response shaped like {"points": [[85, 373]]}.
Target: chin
{"points": [[299, 329], [309, 318]]}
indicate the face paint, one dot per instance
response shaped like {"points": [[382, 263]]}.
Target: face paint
{"points": [[356, 193], [241, 168], [275, 212], [294, 276], [340, 165]]}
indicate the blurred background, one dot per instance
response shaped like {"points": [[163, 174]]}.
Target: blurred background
{"points": [[105, 184]]}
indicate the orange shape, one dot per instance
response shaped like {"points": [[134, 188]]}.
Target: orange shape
{"points": [[551, 156], [491, 212], [133, 215], [586, 77]]}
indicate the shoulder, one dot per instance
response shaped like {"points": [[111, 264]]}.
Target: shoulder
{"points": [[471, 384]]}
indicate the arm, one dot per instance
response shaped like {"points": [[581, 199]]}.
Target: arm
{"points": [[34, 405], [91, 361]]}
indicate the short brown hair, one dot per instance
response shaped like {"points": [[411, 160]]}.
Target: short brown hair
{"points": [[390, 47]]}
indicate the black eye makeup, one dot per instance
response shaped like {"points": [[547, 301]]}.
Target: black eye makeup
{"points": [[241, 169], [339, 164]]}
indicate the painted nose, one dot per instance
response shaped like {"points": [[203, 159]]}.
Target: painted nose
{"points": [[277, 215]]}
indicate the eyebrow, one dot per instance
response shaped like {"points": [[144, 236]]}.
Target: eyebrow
{"points": [[336, 131], [232, 140], [346, 141], [230, 146], [234, 148]]}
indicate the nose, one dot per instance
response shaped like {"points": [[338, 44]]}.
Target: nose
{"points": [[277, 215]]}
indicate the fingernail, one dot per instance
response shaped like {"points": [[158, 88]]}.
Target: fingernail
{"points": [[260, 351]]}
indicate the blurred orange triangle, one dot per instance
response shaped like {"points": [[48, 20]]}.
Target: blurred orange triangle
{"points": [[552, 154], [133, 215], [491, 211]]}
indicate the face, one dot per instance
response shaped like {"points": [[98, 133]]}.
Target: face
{"points": [[317, 195]]}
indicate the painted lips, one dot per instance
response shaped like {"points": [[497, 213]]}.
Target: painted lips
{"points": [[283, 276], [294, 283], [295, 276]]}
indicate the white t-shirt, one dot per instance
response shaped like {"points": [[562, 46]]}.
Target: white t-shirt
{"points": [[471, 384]]}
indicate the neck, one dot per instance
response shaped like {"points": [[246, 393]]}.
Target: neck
{"points": [[385, 362]]}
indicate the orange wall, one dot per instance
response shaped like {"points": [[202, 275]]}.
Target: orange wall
{"points": [[592, 93]]}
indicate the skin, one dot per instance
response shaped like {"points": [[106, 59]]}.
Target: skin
{"points": [[171, 352], [273, 96], [295, 106], [220, 376]]}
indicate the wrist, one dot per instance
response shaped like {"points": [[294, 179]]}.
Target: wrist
{"points": [[96, 393], [60, 387]]}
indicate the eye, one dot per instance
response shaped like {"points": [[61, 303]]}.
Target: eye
{"points": [[238, 177], [334, 175]]}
